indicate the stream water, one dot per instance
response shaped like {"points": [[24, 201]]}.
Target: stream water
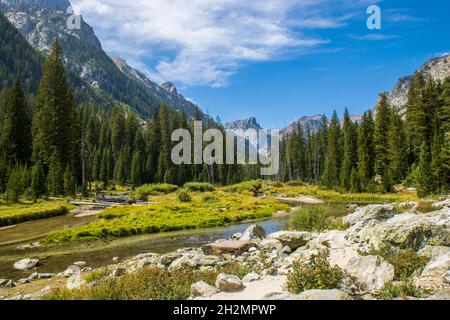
{"points": [[99, 253]]}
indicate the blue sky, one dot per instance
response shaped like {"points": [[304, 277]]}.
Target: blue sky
{"points": [[276, 60]]}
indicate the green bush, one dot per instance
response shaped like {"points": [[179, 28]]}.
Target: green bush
{"points": [[183, 195], [247, 186], [317, 274], [314, 219], [210, 198], [403, 289], [199, 187], [144, 191], [405, 262]]}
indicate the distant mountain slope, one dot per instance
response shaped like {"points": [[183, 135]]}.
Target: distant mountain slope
{"points": [[41, 21], [437, 68], [19, 59]]}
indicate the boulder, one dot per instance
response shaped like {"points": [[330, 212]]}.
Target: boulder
{"points": [[80, 264], [406, 231], [75, 282], [435, 273], [229, 283], [376, 211], [371, 272], [3, 282], [118, 272], [25, 264], [292, 239], [71, 270], [442, 204], [269, 245], [236, 236], [202, 289], [253, 232], [333, 294], [233, 247], [250, 277]]}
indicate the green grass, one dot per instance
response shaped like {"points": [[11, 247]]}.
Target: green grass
{"points": [[171, 215], [96, 275], [315, 218], [148, 284], [252, 187], [337, 197], [317, 274], [18, 213]]}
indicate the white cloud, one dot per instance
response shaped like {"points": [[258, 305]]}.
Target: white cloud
{"points": [[204, 42]]}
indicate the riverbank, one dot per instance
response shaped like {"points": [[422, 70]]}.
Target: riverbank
{"points": [[359, 256]]}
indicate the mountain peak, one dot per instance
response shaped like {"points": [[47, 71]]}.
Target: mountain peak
{"points": [[169, 87], [246, 124]]}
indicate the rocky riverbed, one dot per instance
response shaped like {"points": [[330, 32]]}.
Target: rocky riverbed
{"points": [[273, 257]]}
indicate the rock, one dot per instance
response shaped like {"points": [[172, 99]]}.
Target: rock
{"points": [[292, 239], [433, 251], [435, 272], [377, 212], [23, 281], [3, 282], [9, 284], [236, 236], [118, 272], [202, 289], [33, 276], [232, 247], [250, 277], [442, 295], [406, 231], [71, 270], [75, 282], [45, 275], [253, 232], [268, 245], [29, 246], [277, 296], [333, 294], [80, 264], [194, 261], [372, 272], [442, 204], [25, 264], [272, 271], [303, 255], [229, 283], [116, 259]]}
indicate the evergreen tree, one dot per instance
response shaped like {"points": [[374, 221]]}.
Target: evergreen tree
{"points": [[136, 169], [380, 136], [55, 121], [55, 177], [13, 189], [397, 148], [334, 153], [366, 156], [355, 181], [38, 185], [69, 182], [425, 180], [15, 137], [350, 150]]}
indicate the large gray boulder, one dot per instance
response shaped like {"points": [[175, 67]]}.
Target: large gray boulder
{"points": [[371, 272], [333, 294], [292, 239], [232, 247], [253, 232], [202, 289], [377, 211], [229, 283], [406, 231], [26, 264]]}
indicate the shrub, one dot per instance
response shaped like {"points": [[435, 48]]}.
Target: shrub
{"points": [[317, 274], [426, 206], [144, 191], [183, 195], [405, 262], [403, 289], [96, 275], [314, 219], [247, 186], [199, 187], [210, 198]]}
